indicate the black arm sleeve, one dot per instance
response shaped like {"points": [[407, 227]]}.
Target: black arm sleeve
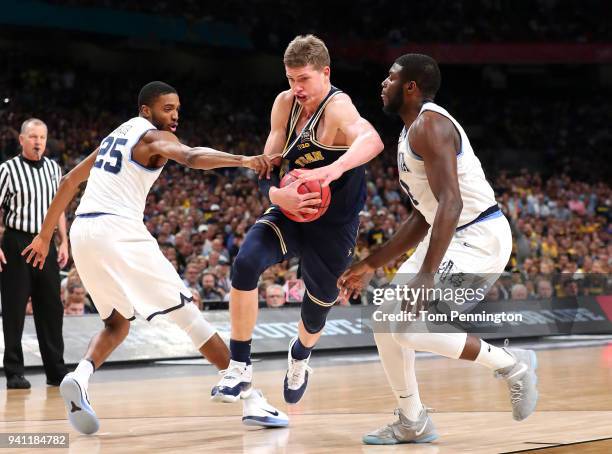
{"points": [[265, 184]]}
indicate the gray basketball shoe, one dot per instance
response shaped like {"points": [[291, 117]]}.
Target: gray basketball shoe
{"points": [[522, 382], [404, 431]]}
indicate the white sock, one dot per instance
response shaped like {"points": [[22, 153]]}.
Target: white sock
{"points": [[82, 373], [398, 363], [494, 358], [409, 402]]}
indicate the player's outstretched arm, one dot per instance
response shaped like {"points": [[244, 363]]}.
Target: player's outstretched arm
{"points": [[435, 138], [166, 144], [38, 249], [363, 140]]}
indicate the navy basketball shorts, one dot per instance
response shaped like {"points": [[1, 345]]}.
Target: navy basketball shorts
{"points": [[325, 251]]}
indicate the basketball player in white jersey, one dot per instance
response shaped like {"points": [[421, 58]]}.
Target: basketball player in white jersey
{"points": [[456, 227], [119, 261]]}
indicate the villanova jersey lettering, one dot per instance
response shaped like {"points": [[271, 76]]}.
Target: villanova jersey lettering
{"points": [[117, 184], [401, 162]]}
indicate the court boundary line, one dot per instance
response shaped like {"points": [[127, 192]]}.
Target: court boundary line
{"points": [[559, 445], [311, 414]]}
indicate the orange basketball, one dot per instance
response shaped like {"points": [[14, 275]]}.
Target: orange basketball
{"points": [[304, 188]]}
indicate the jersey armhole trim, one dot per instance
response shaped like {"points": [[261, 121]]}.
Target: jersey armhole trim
{"points": [[132, 160], [458, 153]]}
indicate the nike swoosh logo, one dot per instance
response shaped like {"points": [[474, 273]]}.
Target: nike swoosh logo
{"points": [[273, 413], [520, 371], [419, 432], [406, 397]]}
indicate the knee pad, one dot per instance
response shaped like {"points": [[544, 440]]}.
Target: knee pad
{"points": [[314, 315], [190, 320], [446, 344]]}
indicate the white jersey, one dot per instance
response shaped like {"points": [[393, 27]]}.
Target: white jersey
{"points": [[118, 184], [476, 192]]}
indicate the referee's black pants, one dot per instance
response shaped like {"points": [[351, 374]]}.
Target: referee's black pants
{"points": [[20, 281]]}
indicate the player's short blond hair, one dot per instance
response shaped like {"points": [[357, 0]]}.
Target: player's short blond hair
{"points": [[306, 50]]}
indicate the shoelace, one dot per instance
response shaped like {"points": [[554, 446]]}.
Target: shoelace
{"points": [[231, 372], [298, 370], [516, 392]]}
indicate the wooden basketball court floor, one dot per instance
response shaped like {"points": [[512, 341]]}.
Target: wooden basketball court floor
{"points": [[166, 408]]}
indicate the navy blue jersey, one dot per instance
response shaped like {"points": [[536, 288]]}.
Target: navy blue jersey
{"points": [[303, 151]]}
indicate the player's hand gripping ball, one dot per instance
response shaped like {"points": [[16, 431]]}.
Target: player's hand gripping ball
{"points": [[305, 188]]}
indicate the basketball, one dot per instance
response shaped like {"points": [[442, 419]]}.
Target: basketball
{"points": [[309, 186]]}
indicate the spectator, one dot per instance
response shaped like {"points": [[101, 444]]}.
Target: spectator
{"points": [[191, 278], [570, 288], [544, 289], [210, 291], [275, 296], [74, 308], [519, 292], [494, 293]]}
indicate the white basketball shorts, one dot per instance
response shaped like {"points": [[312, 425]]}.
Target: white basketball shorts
{"points": [[122, 268], [475, 258], [483, 248]]}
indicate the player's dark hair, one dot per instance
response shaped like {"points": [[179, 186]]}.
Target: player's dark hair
{"points": [[151, 91], [423, 70]]}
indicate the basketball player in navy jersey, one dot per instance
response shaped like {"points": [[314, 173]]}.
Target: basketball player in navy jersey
{"points": [[457, 228], [313, 124], [119, 261]]}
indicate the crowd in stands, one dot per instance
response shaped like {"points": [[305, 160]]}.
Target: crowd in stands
{"points": [[271, 23], [561, 221]]}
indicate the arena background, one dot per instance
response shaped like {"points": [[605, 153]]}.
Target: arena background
{"points": [[530, 81]]}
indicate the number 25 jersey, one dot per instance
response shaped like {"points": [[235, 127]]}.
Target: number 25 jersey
{"points": [[117, 183]]}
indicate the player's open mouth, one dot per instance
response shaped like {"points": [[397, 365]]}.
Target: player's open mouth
{"points": [[173, 127], [301, 98]]}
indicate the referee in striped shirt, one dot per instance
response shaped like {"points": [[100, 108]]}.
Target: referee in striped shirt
{"points": [[28, 183]]}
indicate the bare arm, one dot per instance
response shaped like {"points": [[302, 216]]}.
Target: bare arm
{"points": [[275, 143], [61, 228], [363, 140], [62, 252], [434, 137], [166, 144], [288, 197], [69, 186], [356, 278], [410, 233]]}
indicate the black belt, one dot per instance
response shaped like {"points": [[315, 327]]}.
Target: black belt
{"points": [[19, 232], [486, 213]]}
